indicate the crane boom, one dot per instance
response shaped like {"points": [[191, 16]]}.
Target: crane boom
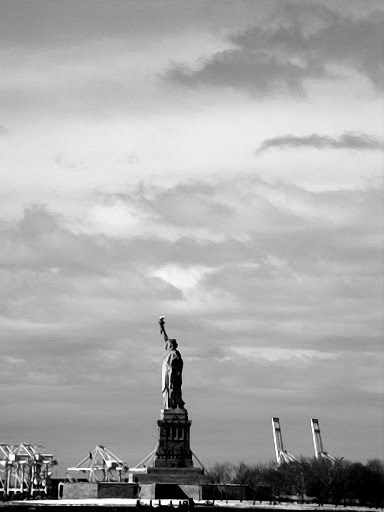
{"points": [[320, 453], [282, 455]]}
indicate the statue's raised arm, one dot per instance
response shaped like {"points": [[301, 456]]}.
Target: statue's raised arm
{"points": [[171, 372], [162, 328]]}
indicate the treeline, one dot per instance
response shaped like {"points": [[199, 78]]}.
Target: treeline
{"points": [[308, 480]]}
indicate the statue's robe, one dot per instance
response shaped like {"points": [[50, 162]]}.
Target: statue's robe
{"points": [[172, 379]]}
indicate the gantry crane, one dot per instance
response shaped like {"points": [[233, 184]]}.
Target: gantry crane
{"points": [[5, 450], [24, 470], [320, 453], [282, 455], [101, 465]]}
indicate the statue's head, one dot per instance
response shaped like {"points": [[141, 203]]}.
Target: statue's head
{"points": [[172, 344]]}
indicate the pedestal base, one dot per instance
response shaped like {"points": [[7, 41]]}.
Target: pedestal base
{"points": [[173, 449]]}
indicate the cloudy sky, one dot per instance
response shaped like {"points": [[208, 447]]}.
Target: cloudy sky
{"points": [[220, 163]]}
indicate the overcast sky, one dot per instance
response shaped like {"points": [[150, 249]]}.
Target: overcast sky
{"points": [[220, 163]]}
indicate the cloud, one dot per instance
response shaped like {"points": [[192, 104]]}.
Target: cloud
{"points": [[271, 240], [273, 355], [239, 68], [183, 277], [348, 140], [299, 43]]}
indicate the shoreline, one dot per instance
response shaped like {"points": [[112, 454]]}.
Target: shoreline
{"points": [[183, 504]]}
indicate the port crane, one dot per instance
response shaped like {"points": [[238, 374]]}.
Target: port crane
{"points": [[24, 470], [101, 465], [282, 455], [320, 453]]}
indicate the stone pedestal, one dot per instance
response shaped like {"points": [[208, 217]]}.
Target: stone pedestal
{"points": [[172, 463], [174, 449]]}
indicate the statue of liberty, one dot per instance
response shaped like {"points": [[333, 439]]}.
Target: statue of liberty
{"points": [[171, 375]]}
